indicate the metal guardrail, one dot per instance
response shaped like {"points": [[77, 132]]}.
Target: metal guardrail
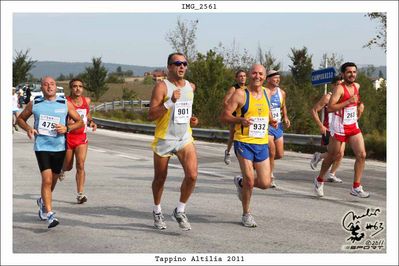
{"points": [[115, 105], [209, 134]]}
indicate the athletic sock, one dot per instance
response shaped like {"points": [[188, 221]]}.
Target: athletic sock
{"points": [[181, 206], [157, 209], [356, 184], [320, 180]]}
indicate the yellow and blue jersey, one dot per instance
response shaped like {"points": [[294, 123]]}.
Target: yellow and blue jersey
{"points": [[257, 109]]}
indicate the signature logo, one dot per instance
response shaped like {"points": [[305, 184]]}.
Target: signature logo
{"points": [[363, 226], [359, 224]]}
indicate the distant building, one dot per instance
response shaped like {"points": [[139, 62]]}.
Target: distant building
{"points": [[158, 75], [377, 83]]}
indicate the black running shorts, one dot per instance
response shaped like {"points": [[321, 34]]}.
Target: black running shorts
{"points": [[53, 160], [325, 139]]}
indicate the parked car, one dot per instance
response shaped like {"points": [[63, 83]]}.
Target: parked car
{"points": [[37, 91]]}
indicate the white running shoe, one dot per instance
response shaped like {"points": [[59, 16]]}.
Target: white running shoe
{"points": [[359, 192], [181, 219], [227, 157], [237, 179], [318, 188], [248, 220], [315, 160], [273, 182], [159, 220], [51, 220], [333, 178], [42, 210]]}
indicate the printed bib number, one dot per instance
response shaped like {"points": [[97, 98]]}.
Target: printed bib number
{"points": [[83, 116], [259, 127], [47, 125], [183, 112], [350, 115], [276, 114]]}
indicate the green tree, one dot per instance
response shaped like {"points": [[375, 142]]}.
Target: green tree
{"points": [[380, 40], [128, 94], [211, 78], [61, 77], [301, 68], [233, 58], [333, 61], [267, 60], [148, 80], [94, 78], [21, 66], [301, 95], [183, 37]]}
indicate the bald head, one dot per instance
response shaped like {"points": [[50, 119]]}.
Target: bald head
{"points": [[257, 75], [49, 87], [47, 79], [258, 67]]}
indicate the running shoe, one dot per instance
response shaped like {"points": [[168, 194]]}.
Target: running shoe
{"points": [[315, 160], [159, 220], [81, 198], [42, 210], [318, 188], [181, 219], [237, 180], [52, 221], [248, 220], [332, 178], [359, 192], [273, 182], [227, 157]]}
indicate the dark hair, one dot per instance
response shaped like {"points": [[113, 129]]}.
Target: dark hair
{"points": [[239, 71], [73, 80], [347, 64], [335, 79], [173, 54]]}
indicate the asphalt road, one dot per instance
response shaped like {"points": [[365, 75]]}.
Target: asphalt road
{"points": [[118, 215]]}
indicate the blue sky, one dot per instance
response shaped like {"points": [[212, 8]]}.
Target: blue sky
{"points": [[139, 38]]}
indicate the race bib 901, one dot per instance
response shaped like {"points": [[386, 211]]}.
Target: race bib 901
{"points": [[183, 111], [259, 127], [47, 125]]}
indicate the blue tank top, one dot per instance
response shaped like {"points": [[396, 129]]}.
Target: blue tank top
{"points": [[47, 114], [275, 105]]}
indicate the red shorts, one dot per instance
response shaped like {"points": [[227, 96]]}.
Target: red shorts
{"points": [[74, 140], [348, 134]]}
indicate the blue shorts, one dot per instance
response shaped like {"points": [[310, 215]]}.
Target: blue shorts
{"points": [[253, 152], [276, 132]]}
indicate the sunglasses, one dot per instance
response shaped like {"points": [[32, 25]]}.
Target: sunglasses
{"points": [[179, 63]]}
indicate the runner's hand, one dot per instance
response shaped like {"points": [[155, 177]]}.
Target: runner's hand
{"points": [[193, 121], [323, 130], [273, 123], [93, 125], [31, 133], [176, 95], [287, 122], [61, 129], [245, 122]]}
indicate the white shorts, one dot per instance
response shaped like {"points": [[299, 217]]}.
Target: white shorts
{"points": [[168, 148]]}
